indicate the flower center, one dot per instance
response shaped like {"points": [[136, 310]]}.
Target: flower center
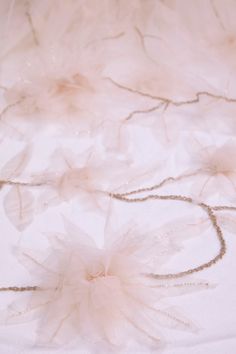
{"points": [[91, 277]]}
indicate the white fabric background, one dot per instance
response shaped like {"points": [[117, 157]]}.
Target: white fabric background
{"points": [[213, 310]]}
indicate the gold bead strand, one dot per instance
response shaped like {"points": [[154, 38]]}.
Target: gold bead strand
{"points": [[212, 218]]}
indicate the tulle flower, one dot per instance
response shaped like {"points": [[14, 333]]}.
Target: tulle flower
{"points": [[86, 176], [101, 294], [57, 77], [215, 171]]}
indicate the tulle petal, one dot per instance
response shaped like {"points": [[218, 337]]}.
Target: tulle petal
{"points": [[19, 206]]}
